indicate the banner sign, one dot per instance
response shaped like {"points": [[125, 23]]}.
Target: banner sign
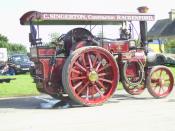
{"points": [[97, 17]]}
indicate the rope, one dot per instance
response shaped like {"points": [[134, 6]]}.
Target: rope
{"points": [[141, 73]]}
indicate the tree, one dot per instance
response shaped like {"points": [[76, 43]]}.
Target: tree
{"points": [[16, 48], [3, 44], [3, 38], [11, 47], [53, 37]]}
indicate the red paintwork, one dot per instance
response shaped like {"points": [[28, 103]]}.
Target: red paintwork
{"points": [[44, 70], [135, 56], [42, 51], [132, 70], [117, 47], [55, 79], [46, 52]]}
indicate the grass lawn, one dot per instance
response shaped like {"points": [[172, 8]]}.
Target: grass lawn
{"points": [[173, 70], [22, 86], [120, 86]]}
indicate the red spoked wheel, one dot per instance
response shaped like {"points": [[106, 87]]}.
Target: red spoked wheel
{"points": [[160, 81], [133, 77], [90, 75]]}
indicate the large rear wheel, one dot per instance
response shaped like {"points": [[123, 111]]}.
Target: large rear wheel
{"points": [[160, 81], [90, 75]]}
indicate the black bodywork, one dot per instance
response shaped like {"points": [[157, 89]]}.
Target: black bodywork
{"points": [[20, 63]]}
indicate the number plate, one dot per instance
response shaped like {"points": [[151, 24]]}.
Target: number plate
{"points": [[25, 69]]}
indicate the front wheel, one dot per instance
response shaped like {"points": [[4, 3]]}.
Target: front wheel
{"points": [[160, 81], [90, 76]]}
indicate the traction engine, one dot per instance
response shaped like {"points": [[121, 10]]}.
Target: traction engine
{"points": [[87, 68]]}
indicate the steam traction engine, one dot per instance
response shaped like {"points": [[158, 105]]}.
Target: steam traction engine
{"points": [[87, 68]]}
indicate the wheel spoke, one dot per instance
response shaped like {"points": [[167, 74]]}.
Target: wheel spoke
{"points": [[160, 86], [83, 88], [105, 80], [92, 94], [161, 72], [98, 66], [79, 78], [83, 59], [103, 68], [75, 71], [163, 90], [101, 84], [154, 85], [167, 80], [101, 94], [154, 80], [95, 61], [103, 74], [90, 61], [87, 93], [77, 85], [80, 66], [97, 57], [156, 75]]}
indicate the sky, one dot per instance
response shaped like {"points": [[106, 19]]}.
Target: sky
{"points": [[12, 10]]}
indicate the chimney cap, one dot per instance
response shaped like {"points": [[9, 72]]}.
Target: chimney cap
{"points": [[143, 9]]}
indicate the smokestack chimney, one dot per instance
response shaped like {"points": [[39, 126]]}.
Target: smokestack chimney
{"points": [[143, 26], [172, 14]]}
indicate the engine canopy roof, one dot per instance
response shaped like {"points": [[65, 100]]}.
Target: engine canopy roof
{"points": [[46, 18]]}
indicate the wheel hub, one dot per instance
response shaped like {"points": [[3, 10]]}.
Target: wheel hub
{"points": [[93, 76]]}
